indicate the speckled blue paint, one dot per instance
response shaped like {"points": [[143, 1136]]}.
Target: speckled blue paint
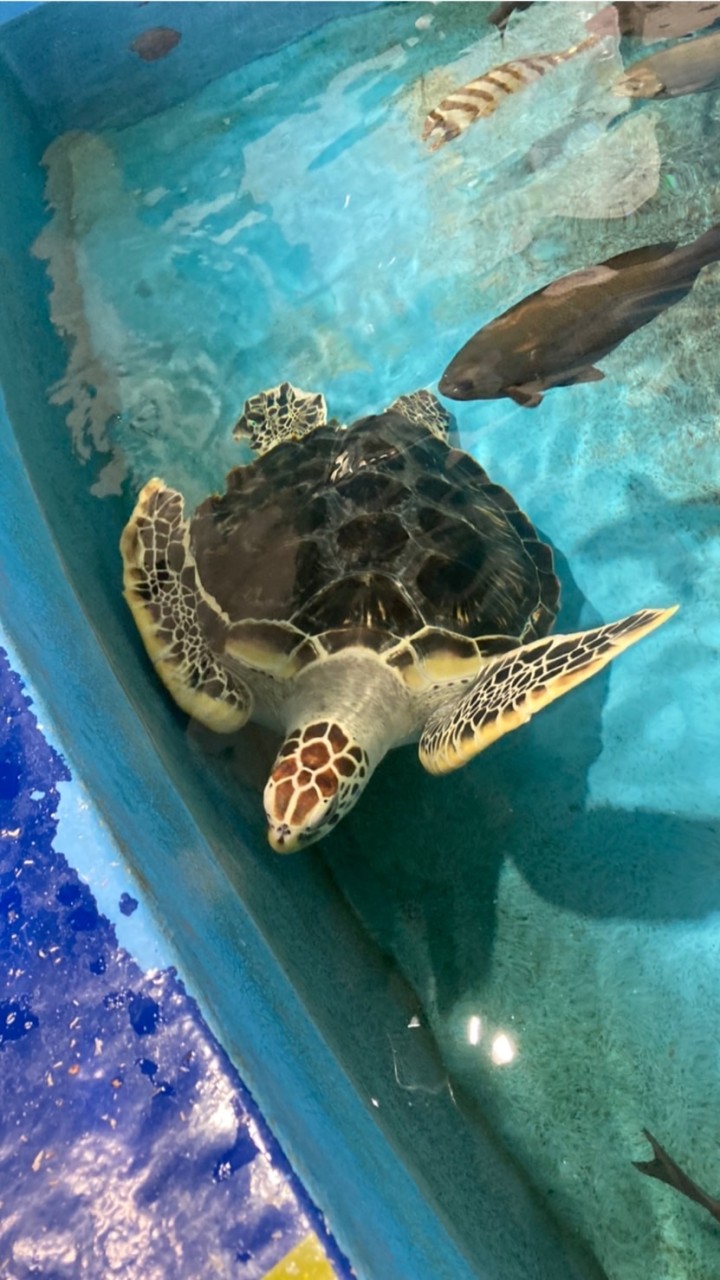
{"points": [[118, 1109]]}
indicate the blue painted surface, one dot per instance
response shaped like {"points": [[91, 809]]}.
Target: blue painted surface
{"points": [[127, 1141], [9, 9], [76, 68]]}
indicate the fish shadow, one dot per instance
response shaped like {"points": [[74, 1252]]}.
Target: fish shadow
{"points": [[684, 530], [421, 858]]}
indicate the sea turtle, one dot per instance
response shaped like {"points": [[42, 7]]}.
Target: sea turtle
{"points": [[354, 588]]}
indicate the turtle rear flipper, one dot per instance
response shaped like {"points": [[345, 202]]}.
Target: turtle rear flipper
{"points": [[511, 688], [167, 602], [279, 414], [425, 410]]}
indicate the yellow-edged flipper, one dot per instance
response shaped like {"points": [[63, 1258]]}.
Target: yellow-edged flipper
{"points": [[511, 688], [423, 408], [169, 605], [278, 415]]}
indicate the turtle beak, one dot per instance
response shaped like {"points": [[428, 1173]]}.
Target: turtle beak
{"points": [[281, 838]]}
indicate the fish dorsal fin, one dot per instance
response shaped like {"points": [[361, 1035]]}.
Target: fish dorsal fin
{"points": [[647, 253]]}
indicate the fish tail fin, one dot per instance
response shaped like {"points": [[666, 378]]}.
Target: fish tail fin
{"points": [[706, 248], [587, 43]]}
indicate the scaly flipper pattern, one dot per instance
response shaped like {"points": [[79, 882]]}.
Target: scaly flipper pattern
{"points": [[167, 602], [279, 414], [425, 410], [511, 688]]}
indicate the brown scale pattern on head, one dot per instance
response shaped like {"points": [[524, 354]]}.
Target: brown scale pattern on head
{"points": [[311, 768], [284, 793], [315, 755], [338, 740], [285, 769]]}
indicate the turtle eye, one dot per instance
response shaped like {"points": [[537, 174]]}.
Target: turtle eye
{"points": [[325, 819]]}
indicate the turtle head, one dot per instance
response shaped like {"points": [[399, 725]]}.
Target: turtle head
{"points": [[318, 775]]}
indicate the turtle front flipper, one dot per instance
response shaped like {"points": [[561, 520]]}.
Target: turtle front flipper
{"points": [[511, 688], [279, 414], [167, 602]]}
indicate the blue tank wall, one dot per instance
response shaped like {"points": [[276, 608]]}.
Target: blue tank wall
{"points": [[74, 63]]}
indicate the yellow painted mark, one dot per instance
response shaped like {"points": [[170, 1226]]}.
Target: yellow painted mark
{"points": [[306, 1261]]}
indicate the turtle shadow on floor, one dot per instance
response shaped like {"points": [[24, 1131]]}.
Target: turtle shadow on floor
{"points": [[421, 857]]}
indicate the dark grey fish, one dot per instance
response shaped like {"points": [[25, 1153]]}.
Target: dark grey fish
{"points": [[666, 1170], [500, 15], [155, 43], [553, 337], [664, 21], [689, 67]]}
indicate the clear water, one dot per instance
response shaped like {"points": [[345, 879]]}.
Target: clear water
{"points": [[555, 905]]}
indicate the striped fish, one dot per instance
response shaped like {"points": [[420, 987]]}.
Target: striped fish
{"points": [[483, 96]]}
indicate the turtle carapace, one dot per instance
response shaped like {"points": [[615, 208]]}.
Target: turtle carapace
{"points": [[354, 588]]}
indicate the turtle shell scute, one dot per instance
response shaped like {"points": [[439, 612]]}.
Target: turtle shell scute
{"points": [[377, 535], [380, 529], [372, 600], [372, 490]]}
